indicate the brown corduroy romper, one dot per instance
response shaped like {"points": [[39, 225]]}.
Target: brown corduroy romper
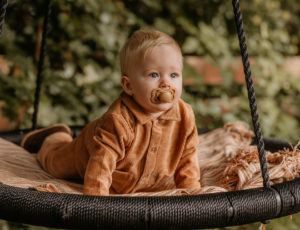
{"points": [[127, 150]]}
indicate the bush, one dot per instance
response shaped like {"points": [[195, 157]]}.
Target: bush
{"points": [[82, 68]]}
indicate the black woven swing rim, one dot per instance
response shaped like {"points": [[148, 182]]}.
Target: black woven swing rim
{"points": [[187, 212], [184, 212], [200, 211]]}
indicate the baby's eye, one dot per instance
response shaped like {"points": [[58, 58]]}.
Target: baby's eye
{"points": [[173, 75], [154, 75]]}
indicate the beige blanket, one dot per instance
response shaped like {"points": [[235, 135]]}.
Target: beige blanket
{"points": [[227, 162]]}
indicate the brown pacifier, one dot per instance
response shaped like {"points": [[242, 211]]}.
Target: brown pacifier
{"points": [[160, 95]]}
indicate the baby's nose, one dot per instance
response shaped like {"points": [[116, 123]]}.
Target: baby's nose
{"points": [[164, 83]]}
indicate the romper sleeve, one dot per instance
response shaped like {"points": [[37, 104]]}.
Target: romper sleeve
{"points": [[187, 174], [106, 148]]}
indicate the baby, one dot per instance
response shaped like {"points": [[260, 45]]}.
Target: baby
{"points": [[147, 139]]}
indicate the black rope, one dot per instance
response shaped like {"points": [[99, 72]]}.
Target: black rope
{"points": [[3, 5], [251, 93], [41, 65]]}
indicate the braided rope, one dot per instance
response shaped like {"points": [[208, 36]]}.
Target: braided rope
{"points": [[251, 93], [3, 5], [41, 65]]}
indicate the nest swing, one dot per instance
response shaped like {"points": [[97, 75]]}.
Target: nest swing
{"points": [[187, 212]]}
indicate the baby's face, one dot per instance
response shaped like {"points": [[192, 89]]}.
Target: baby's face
{"points": [[156, 81]]}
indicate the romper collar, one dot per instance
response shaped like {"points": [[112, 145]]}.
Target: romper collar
{"points": [[142, 117]]}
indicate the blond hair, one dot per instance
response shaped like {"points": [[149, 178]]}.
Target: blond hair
{"points": [[139, 43]]}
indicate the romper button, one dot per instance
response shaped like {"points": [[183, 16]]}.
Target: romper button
{"points": [[153, 149]]}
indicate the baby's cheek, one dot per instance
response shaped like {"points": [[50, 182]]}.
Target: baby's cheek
{"points": [[178, 93]]}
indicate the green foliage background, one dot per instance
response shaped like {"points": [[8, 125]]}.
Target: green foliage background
{"points": [[82, 66]]}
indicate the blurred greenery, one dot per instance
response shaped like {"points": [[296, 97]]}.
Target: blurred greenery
{"points": [[81, 75]]}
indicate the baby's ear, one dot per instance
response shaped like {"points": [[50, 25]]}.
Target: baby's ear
{"points": [[125, 83]]}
